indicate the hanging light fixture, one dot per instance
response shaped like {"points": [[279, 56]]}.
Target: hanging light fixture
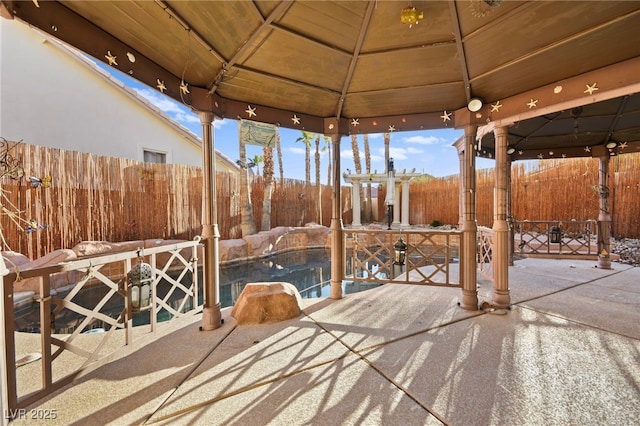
{"points": [[475, 104], [411, 15]]}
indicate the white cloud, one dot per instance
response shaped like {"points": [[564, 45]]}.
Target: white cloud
{"points": [[346, 153], [177, 112], [219, 124], [424, 140]]}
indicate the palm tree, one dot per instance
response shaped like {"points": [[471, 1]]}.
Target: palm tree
{"points": [[328, 142], [368, 210], [306, 138], [279, 153], [387, 140], [247, 222], [267, 172], [318, 184], [255, 162], [356, 154]]}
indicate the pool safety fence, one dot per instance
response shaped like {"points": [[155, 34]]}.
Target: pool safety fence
{"points": [[427, 257], [74, 333]]}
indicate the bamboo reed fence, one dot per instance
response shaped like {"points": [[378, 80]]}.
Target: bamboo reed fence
{"points": [[99, 198], [551, 190]]}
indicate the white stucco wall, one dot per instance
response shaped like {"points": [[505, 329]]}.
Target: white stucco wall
{"points": [[51, 98]]}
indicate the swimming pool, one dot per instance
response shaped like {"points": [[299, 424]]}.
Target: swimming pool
{"points": [[308, 270]]}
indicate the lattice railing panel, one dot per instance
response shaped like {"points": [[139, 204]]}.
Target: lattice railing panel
{"points": [[485, 251], [428, 257], [576, 237], [74, 325]]}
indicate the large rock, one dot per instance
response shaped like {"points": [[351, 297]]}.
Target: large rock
{"points": [[267, 302], [317, 236], [258, 245], [230, 250], [14, 259], [57, 280]]}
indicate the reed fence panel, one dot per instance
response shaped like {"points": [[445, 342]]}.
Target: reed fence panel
{"points": [[113, 199], [96, 198], [561, 189]]}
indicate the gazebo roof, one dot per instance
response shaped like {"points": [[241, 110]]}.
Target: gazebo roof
{"points": [[566, 74]]}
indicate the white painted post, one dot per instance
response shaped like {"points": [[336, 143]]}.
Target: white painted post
{"points": [[405, 203]]}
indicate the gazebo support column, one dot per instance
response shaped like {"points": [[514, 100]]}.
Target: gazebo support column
{"points": [[211, 316], [510, 220], [469, 228], [604, 218], [337, 251], [501, 297], [460, 146], [355, 201], [404, 221]]}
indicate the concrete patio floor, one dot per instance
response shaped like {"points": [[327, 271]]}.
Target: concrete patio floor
{"points": [[566, 353]]}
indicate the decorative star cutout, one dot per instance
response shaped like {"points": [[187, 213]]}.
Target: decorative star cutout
{"points": [[490, 155], [355, 122], [540, 156], [184, 88], [591, 89], [251, 111], [392, 128], [532, 103], [112, 59], [551, 153], [520, 152], [623, 145], [587, 149], [564, 155], [161, 87], [496, 107], [446, 116], [295, 119]]}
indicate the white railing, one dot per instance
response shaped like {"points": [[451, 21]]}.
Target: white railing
{"points": [[371, 257], [485, 251], [69, 326]]}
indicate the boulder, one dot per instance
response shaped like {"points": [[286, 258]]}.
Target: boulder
{"points": [[267, 302], [91, 248], [14, 259], [57, 280], [317, 236], [258, 245], [232, 250]]}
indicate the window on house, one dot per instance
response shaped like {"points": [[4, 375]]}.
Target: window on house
{"points": [[154, 156]]}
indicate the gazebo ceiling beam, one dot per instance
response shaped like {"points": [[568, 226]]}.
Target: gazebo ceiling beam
{"points": [[354, 57], [244, 48], [455, 20]]}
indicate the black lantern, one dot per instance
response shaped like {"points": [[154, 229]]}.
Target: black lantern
{"points": [[400, 252], [140, 278], [555, 234]]}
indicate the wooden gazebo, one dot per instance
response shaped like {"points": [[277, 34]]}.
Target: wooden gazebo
{"points": [[523, 79]]}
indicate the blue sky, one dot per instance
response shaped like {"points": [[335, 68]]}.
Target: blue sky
{"points": [[427, 151]]}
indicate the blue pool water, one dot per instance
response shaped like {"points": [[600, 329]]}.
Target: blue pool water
{"points": [[308, 270]]}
